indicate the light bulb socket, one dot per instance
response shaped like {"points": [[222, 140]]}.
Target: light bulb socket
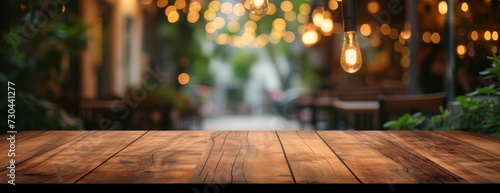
{"points": [[349, 14]]}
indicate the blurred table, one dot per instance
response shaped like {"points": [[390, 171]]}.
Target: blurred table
{"points": [[284, 157], [361, 115]]}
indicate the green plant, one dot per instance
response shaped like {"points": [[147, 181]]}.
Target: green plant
{"points": [[480, 116], [37, 114], [406, 122], [162, 97], [490, 77], [439, 121], [477, 112], [494, 70], [241, 63], [38, 61], [419, 121]]}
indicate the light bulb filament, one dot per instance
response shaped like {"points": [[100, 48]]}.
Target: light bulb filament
{"points": [[258, 3], [350, 57], [259, 7]]}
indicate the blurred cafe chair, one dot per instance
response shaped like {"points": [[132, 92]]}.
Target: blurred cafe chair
{"points": [[356, 108], [393, 106]]}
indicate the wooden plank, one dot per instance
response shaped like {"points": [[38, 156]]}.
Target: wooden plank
{"points": [[242, 157], [71, 161], [416, 163], [469, 162], [31, 143], [487, 143], [20, 137], [376, 160], [311, 160], [157, 157]]}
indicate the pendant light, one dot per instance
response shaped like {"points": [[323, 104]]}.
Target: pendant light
{"points": [[350, 56]]}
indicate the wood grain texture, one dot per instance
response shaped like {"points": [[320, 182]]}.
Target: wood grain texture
{"points": [[469, 162], [242, 157], [311, 160], [157, 157], [71, 161], [210, 157], [487, 143], [376, 160], [31, 143], [416, 163]]}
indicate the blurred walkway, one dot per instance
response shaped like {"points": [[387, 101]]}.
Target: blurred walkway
{"points": [[249, 122]]}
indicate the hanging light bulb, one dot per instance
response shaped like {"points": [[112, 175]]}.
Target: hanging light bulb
{"points": [[350, 56], [259, 7]]}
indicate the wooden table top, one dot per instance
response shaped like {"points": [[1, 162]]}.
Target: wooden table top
{"points": [[275, 157]]}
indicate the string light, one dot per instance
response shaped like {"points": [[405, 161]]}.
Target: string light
{"points": [[183, 78], [310, 36], [443, 7]]}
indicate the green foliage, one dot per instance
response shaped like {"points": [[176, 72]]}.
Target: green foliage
{"points": [[44, 56], [419, 121], [162, 97], [477, 115], [36, 114], [477, 112], [406, 122], [309, 76], [494, 70], [490, 77], [474, 115], [277, 48], [439, 121], [33, 61], [200, 69], [241, 63], [489, 90]]}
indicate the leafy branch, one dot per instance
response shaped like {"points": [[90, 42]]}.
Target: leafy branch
{"points": [[478, 111]]}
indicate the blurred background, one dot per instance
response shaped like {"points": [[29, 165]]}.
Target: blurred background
{"points": [[212, 64]]}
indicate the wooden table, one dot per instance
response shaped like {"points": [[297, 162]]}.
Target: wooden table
{"points": [[361, 115], [283, 157]]}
